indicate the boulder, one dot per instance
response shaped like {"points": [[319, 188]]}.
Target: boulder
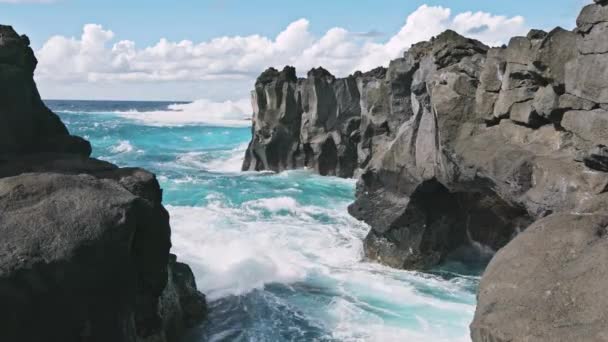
{"points": [[546, 285], [555, 50], [85, 252], [85, 257], [546, 101], [568, 101], [587, 77], [524, 113], [591, 126], [592, 14]]}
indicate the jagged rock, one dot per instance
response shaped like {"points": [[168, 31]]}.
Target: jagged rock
{"points": [[520, 50], [507, 98], [524, 113], [543, 286], [491, 75], [592, 14], [490, 83], [587, 77], [180, 306], [555, 50], [459, 144], [27, 124], [597, 158], [591, 125], [546, 101], [595, 41], [276, 122], [536, 34], [572, 102], [85, 244]]}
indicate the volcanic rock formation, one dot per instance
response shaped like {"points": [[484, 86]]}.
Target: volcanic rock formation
{"points": [[457, 144], [85, 245]]}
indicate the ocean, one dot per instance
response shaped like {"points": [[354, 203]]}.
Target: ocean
{"points": [[277, 255]]}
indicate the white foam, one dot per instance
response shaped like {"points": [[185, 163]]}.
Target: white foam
{"points": [[124, 146], [230, 164], [191, 160], [234, 249], [199, 112], [231, 259], [275, 204]]}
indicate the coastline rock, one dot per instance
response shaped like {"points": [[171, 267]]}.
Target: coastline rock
{"points": [[85, 252], [546, 285], [27, 124], [308, 122], [455, 121], [460, 144]]}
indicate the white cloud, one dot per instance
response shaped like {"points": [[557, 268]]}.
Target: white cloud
{"points": [[428, 21], [96, 57]]}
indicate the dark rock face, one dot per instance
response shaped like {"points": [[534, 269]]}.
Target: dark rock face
{"points": [[459, 144], [27, 124], [308, 122], [85, 244]]}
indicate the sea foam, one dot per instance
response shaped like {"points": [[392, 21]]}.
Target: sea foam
{"points": [[237, 249], [199, 112]]}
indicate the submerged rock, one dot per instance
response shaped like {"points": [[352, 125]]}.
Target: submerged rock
{"points": [[85, 244]]}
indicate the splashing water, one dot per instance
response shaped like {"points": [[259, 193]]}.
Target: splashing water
{"points": [[278, 255]]}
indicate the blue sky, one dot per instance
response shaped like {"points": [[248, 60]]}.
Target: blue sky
{"points": [[147, 21], [144, 23]]}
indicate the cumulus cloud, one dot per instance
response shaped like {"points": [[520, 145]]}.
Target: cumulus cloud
{"points": [[97, 56], [429, 21]]}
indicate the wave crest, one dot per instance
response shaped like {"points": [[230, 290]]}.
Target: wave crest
{"points": [[199, 112]]}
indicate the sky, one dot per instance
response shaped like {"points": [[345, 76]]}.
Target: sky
{"points": [[212, 50]]}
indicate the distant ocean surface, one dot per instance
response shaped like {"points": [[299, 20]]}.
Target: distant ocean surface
{"points": [[278, 255]]}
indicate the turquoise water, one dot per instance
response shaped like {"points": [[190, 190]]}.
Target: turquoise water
{"points": [[278, 255]]}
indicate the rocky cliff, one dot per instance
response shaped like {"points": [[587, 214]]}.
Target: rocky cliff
{"points": [[85, 244], [458, 144]]}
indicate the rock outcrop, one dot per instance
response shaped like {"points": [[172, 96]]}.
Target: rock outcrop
{"points": [[85, 244], [304, 123], [459, 144]]}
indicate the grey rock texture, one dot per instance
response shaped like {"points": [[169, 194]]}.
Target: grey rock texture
{"points": [[304, 123], [546, 285], [459, 144], [85, 244]]}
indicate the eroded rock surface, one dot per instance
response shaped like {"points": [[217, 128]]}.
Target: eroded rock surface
{"points": [[85, 244], [458, 144]]}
